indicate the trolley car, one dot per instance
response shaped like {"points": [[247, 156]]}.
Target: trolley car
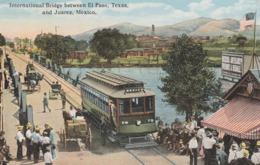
{"points": [[127, 108]]}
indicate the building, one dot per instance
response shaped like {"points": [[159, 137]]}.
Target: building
{"points": [[141, 52], [78, 55], [240, 116], [155, 41]]}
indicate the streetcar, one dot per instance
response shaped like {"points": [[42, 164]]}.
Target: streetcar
{"points": [[127, 108]]}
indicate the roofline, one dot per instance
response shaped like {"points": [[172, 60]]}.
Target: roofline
{"points": [[236, 85]]}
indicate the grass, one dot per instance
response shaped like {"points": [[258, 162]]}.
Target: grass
{"points": [[77, 62], [138, 60], [213, 48]]}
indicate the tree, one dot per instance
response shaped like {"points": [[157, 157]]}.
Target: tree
{"points": [[130, 41], [2, 40], [81, 45], [108, 43], [189, 84], [57, 47]]}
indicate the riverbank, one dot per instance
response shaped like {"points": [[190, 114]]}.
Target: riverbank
{"points": [[113, 65]]}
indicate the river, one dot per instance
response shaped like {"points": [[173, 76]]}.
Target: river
{"points": [[151, 78]]}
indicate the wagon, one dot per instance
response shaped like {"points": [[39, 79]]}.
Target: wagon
{"points": [[32, 79], [55, 91], [29, 67], [75, 129]]}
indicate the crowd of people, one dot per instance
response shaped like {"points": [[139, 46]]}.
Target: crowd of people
{"points": [[36, 141], [193, 139]]}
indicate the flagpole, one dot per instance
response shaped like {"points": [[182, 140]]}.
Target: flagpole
{"points": [[254, 46], [254, 34]]}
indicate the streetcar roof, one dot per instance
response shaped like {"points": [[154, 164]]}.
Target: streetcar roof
{"points": [[113, 79], [111, 91]]}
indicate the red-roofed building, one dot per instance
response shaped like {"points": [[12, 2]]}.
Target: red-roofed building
{"points": [[141, 52], [240, 117], [78, 55]]}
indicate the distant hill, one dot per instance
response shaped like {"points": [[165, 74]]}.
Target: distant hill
{"points": [[122, 27], [195, 27]]}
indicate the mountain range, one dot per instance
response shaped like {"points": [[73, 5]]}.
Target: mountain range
{"points": [[195, 27]]}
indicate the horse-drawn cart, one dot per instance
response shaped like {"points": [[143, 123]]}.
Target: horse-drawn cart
{"points": [[55, 91], [75, 129], [32, 79]]}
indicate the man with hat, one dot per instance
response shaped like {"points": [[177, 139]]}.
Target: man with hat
{"points": [[19, 137], [207, 144], [244, 160], [193, 148], [29, 145], [37, 140], [240, 153], [258, 143]]}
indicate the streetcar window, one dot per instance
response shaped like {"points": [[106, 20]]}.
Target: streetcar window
{"points": [[137, 104], [149, 103], [124, 106]]}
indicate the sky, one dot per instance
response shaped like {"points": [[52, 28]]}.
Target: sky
{"points": [[29, 21]]}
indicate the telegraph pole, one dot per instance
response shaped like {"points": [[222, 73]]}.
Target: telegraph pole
{"points": [[56, 44]]}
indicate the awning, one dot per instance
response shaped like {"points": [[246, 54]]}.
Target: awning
{"points": [[240, 117]]}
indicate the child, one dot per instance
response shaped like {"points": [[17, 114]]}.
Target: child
{"points": [[48, 157]]}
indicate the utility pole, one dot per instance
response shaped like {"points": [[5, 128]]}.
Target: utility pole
{"points": [[56, 44]]}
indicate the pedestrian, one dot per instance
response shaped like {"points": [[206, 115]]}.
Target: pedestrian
{"points": [[63, 98], [2, 139], [193, 149], [113, 112], [244, 160], [37, 140], [3, 145], [257, 145], [201, 135], [48, 157], [45, 102], [20, 138], [207, 144], [221, 156], [233, 153], [9, 83], [28, 138], [53, 139], [240, 153], [72, 112], [46, 141], [47, 129], [256, 156]]}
